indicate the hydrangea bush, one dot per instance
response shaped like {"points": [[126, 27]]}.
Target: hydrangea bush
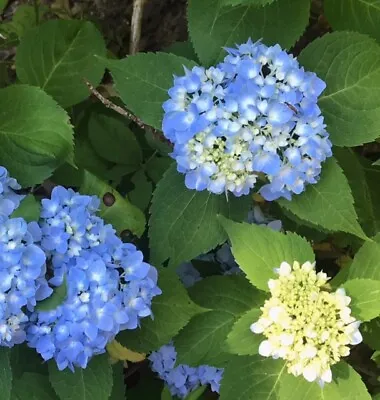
{"points": [[198, 222]]}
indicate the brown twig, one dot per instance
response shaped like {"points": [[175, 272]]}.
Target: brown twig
{"points": [[137, 14], [109, 104]]}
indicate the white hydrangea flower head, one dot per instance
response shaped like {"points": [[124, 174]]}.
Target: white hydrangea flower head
{"points": [[305, 324]]}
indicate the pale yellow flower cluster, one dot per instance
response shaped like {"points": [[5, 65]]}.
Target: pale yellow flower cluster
{"points": [[305, 324]]}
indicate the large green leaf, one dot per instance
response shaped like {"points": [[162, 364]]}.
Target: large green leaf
{"points": [[5, 374], [365, 298], [33, 386], [366, 263], [172, 310], [371, 333], [363, 179], [252, 378], [94, 382], [259, 250], [213, 26], [58, 55], [143, 80], [349, 63], [183, 222], [232, 293], [241, 340], [118, 385], [36, 136], [114, 208], [329, 203], [3, 4], [201, 341], [54, 300], [354, 15]]}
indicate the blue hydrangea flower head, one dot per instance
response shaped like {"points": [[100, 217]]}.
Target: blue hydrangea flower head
{"points": [[254, 116], [182, 379], [109, 286], [9, 199], [22, 278]]}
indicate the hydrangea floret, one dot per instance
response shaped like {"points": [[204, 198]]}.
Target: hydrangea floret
{"points": [[253, 116], [305, 324], [9, 198], [183, 379], [109, 286]]}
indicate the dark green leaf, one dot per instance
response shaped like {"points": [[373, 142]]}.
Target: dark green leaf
{"points": [[248, 2], [354, 15], [227, 293], [172, 310], [141, 194], [329, 203], [29, 209], [5, 374], [157, 166], [183, 222], [94, 382], [112, 139], [33, 386], [118, 386], [119, 212], [201, 341], [349, 63], [258, 250], [143, 80], [35, 133], [183, 49], [58, 55], [241, 340], [54, 300], [24, 359], [213, 26]]}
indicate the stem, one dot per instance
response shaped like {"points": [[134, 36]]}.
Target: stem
{"points": [[37, 11], [137, 14]]}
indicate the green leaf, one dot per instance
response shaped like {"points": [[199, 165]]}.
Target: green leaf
{"points": [[258, 250], [232, 293], [33, 386], [329, 203], [5, 374], [157, 166], [112, 139], [241, 340], [183, 222], [213, 26], [183, 49], [371, 333], [366, 263], [172, 310], [248, 2], [363, 180], [3, 4], [94, 382], [346, 385], [165, 395], [29, 209], [201, 341], [120, 212], [252, 378], [55, 299], [365, 295], [58, 55], [141, 194], [118, 385], [354, 15], [23, 19], [349, 63], [36, 136], [197, 393], [143, 80], [24, 359]]}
